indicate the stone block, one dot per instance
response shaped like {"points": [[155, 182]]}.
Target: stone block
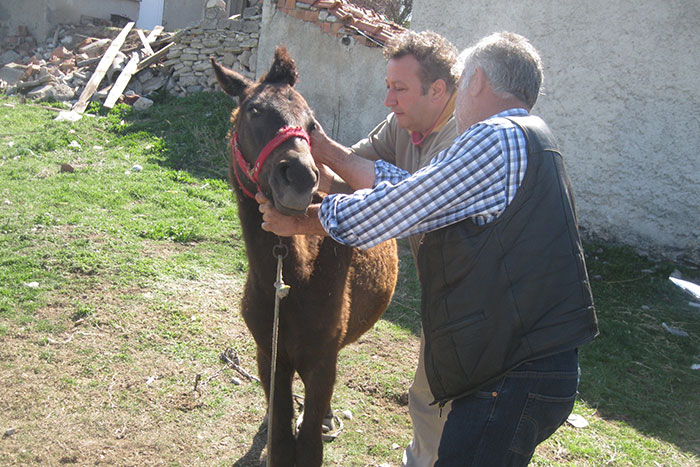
{"points": [[153, 84], [215, 9], [211, 43], [195, 88], [236, 25], [174, 53], [142, 103], [209, 24], [187, 80], [244, 58], [250, 12], [228, 59], [253, 61], [12, 73], [204, 65], [57, 91], [251, 26], [8, 57]]}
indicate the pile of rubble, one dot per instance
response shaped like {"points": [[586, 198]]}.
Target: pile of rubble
{"points": [[67, 65]]}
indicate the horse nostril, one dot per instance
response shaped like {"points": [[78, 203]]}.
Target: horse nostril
{"points": [[296, 175], [284, 172]]}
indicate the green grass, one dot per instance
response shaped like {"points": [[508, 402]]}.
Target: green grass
{"points": [[119, 286]]}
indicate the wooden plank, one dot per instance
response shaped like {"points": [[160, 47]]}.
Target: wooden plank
{"points": [[102, 69], [171, 38], [122, 81], [152, 40], [154, 33], [153, 58], [146, 47]]}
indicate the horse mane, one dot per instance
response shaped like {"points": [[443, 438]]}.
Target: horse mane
{"points": [[283, 69]]}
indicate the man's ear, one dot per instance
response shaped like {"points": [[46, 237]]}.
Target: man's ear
{"points": [[478, 82], [437, 89]]}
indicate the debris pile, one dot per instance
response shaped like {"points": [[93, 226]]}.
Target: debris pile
{"points": [[82, 61]]}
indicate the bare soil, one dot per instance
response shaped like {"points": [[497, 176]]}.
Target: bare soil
{"points": [[137, 381]]}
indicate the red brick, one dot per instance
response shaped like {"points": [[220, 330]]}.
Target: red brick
{"points": [[311, 16], [335, 27]]}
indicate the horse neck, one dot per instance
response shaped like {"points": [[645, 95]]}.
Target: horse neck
{"points": [[301, 250], [259, 243]]}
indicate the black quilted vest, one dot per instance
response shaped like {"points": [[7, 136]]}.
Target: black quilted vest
{"points": [[511, 291]]}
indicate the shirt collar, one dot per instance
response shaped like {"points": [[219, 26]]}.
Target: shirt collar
{"points": [[514, 112], [417, 137]]}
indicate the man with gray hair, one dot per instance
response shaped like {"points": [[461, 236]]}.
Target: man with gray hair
{"points": [[506, 300]]}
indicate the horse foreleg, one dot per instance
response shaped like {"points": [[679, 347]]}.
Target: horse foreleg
{"points": [[283, 443], [318, 387]]}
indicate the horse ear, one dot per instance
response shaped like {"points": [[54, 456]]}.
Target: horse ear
{"points": [[283, 69], [233, 84]]}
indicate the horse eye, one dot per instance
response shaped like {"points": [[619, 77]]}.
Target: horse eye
{"points": [[254, 110]]}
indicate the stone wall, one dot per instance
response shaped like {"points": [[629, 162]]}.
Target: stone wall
{"points": [[232, 41]]}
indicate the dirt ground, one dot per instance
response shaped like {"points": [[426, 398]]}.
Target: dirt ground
{"points": [[118, 387]]}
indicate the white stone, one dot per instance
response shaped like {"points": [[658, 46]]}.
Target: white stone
{"points": [[142, 103], [68, 116]]}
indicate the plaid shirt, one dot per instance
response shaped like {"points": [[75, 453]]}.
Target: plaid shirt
{"points": [[476, 178]]}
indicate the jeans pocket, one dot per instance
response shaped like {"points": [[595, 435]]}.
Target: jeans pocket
{"points": [[540, 418]]}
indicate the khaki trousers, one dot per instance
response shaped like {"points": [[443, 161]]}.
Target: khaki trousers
{"points": [[427, 421]]}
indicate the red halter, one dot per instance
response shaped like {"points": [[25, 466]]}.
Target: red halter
{"points": [[253, 173]]}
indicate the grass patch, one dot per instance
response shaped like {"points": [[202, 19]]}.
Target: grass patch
{"points": [[119, 287]]}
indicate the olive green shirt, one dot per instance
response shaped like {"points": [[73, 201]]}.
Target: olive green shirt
{"points": [[393, 144]]}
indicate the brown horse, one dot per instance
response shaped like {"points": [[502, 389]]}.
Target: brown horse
{"points": [[337, 293]]}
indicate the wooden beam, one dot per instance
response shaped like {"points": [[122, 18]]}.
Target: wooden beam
{"points": [[122, 81], [154, 58], [152, 40], [154, 33], [146, 47], [102, 69]]}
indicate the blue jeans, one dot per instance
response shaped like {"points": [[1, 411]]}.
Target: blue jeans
{"points": [[501, 424]]}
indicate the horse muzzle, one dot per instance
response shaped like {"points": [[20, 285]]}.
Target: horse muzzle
{"points": [[293, 182]]}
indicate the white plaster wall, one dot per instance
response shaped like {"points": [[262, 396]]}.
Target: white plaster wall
{"points": [[69, 11], [622, 93], [179, 14], [343, 84], [32, 14]]}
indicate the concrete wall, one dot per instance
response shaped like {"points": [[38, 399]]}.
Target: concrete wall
{"points": [[42, 16], [344, 84], [69, 11], [178, 14], [33, 14], [622, 94]]}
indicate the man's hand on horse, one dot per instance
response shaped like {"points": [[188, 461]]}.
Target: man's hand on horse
{"points": [[321, 145], [273, 220], [286, 226]]}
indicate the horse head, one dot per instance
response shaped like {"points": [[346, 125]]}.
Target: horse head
{"points": [[271, 150]]}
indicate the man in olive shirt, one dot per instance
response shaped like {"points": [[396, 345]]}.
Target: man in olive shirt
{"points": [[421, 90]]}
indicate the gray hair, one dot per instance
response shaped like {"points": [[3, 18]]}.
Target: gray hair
{"points": [[510, 62]]}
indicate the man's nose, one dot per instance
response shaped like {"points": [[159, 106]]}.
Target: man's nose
{"points": [[390, 99]]}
